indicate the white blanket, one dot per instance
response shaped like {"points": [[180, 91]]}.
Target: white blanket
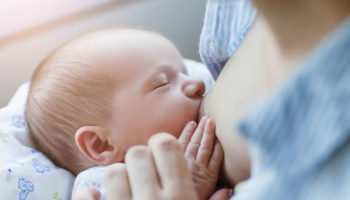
{"points": [[26, 173]]}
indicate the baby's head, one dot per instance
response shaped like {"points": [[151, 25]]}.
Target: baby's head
{"points": [[97, 95]]}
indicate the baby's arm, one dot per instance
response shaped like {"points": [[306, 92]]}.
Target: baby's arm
{"points": [[204, 155]]}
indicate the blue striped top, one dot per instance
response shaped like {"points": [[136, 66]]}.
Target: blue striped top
{"points": [[226, 24], [299, 135]]}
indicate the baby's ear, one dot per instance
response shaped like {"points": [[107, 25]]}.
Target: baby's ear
{"points": [[93, 143]]}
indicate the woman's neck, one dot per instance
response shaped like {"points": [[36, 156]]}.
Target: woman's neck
{"points": [[294, 28], [298, 25]]}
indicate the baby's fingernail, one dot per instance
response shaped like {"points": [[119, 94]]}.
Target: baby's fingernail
{"points": [[191, 123]]}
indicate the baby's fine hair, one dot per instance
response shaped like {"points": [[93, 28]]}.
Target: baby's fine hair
{"points": [[66, 94]]}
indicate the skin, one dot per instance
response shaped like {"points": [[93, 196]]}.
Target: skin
{"points": [[152, 92], [240, 84]]}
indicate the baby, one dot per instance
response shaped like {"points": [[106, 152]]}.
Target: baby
{"points": [[93, 98]]}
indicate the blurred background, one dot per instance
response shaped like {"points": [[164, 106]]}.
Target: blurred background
{"points": [[29, 30]]}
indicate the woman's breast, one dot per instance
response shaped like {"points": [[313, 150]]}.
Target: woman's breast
{"points": [[240, 83]]}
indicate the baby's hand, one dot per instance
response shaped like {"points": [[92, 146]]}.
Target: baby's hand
{"points": [[203, 154]]}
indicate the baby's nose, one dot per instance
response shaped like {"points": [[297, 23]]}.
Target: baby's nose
{"points": [[194, 87]]}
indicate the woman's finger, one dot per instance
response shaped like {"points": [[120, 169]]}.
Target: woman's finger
{"points": [[117, 183], [172, 167], [207, 143], [142, 173], [87, 194], [222, 194]]}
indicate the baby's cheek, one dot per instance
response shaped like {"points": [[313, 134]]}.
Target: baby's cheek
{"points": [[178, 116]]}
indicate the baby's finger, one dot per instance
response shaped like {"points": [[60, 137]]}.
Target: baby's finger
{"points": [[192, 147], [117, 182], [186, 134], [207, 143], [216, 158]]}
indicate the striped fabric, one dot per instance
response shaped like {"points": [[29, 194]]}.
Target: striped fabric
{"points": [[226, 24], [300, 134]]}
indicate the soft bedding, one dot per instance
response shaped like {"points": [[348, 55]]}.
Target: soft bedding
{"points": [[25, 173]]}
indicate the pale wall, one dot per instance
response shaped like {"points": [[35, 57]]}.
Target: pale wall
{"points": [[179, 20]]}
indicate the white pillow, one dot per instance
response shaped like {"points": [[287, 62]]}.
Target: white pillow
{"points": [[199, 70], [26, 173]]}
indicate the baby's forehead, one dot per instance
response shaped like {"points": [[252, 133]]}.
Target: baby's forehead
{"points": [[105, 41], [105, 49]]}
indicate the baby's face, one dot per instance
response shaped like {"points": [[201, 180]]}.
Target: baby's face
{"points": [[153, 92]]}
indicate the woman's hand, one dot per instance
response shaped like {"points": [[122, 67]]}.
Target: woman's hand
{"points": [[222, 194], [158, 171], [204, 155], [87, 194]]}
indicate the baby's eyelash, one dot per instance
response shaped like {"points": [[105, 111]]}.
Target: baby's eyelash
{"points": [[162, 84]]}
